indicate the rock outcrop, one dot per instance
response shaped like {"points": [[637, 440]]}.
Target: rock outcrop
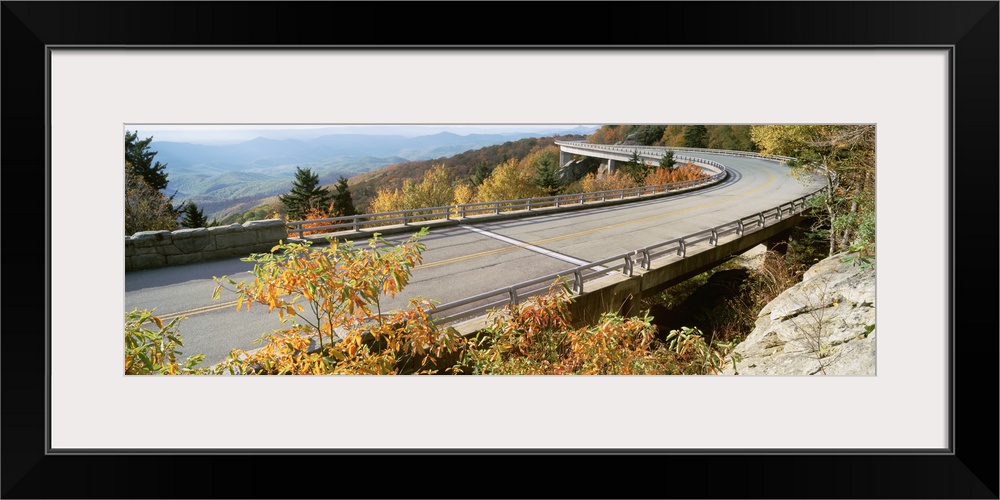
{"points": [[824, 325]]}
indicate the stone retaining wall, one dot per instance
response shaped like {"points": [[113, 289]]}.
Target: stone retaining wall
{"points": [[150, 249]]}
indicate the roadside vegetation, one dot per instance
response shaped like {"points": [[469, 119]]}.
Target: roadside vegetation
{"points": [[331, 296]]}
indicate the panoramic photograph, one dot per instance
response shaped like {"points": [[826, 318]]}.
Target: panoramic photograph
{"points": [[507, 249]]}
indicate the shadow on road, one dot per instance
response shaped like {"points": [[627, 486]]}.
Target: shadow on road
{"points": [[149, 278]]}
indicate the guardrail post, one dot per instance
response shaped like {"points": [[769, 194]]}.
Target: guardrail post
{"points": [[760, 219], [645, 259], [357, 227], [779, 212], [739, 227], [557, 201], [447, 213], [627, 269], [406, 218], [527, 204], [461, 211], [513, 295], [577, 281], [496, 208], [581, 198], [682, 249], [714, 240]]}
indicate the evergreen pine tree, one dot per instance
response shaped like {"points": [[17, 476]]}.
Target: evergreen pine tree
{"points": [[343, 205], [696, 136], [667, 161], [137, 153], [306, 193], [193, 216], [546, 176], [482, 172], [637, 168]]}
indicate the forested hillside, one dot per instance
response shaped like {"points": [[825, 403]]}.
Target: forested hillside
{"points": [[733, 137], [458, 169]]}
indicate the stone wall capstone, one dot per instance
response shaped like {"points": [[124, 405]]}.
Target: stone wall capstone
{"points": [[151, 249]]}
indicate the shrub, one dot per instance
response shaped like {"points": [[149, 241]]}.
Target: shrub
{"points": [[315, 214], [334, 293], [154, 352], [687, 172], [536, 338]]}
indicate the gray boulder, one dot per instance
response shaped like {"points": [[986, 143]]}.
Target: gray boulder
{"points": [[824, 325]]}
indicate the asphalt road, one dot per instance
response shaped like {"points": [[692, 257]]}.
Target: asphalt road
{"points": [[467, 260]]}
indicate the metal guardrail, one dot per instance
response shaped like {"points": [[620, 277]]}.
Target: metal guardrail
{"points": [[624, 264], [660, 150], [461, 211]]}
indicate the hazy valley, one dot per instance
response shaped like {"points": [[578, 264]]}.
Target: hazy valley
{"points": [[228, 179]]}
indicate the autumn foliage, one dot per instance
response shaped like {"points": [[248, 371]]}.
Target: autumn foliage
{"points": [[537, 338], [509, 181], [592, 183], [687, 172], [333, 296], [315, 214]]}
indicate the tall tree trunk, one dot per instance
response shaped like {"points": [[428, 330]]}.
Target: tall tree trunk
{"points": [[845, 239], [830, 211]]}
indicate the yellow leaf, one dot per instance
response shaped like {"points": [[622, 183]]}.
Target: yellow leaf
{"points": [[158, 321]]}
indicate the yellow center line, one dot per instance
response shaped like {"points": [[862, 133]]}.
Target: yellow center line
{"points": [[224, 305], [198, 310]]}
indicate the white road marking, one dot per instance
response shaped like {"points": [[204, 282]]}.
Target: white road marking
{"points": [[533, 248]]}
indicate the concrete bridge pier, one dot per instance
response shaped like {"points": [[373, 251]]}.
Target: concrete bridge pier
{"points": [[564, 158], [779, 242]]}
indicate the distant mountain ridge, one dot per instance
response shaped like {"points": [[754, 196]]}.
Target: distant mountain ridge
{"points": [[221, 178], [264, 152]]}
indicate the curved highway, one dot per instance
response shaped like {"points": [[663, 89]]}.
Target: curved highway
{"points": [[466, 260]]}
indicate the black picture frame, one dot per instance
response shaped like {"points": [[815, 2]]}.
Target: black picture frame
{"points": [[969, 470]]}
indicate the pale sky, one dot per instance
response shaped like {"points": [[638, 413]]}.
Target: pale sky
{"points": [[222, 134]]}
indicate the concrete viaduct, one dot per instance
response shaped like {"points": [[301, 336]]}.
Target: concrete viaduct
{"points": [[619, 282], [612, 248]]}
